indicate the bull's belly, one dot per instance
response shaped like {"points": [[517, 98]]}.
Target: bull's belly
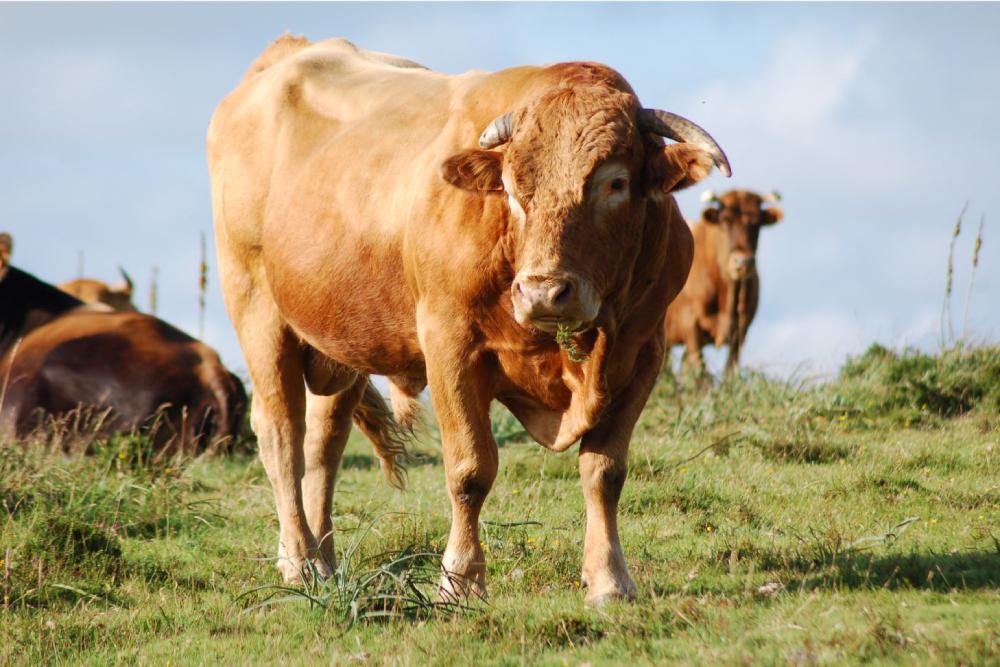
{"points": [[358, 327]]}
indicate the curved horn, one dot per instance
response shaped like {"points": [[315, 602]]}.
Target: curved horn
{"points": [[128, 279], [771, 197], [498, 132], [678, 128], [709, 197]]}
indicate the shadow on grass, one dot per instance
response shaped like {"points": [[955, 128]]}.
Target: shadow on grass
{"points": [[976, 570], [368, 462], [853, 570]]}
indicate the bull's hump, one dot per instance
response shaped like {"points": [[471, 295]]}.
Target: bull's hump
{"points": [[339, 56], [375, 57], [337, 81]]}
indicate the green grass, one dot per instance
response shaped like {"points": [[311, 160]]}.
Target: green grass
{"points": [[764, 521]]}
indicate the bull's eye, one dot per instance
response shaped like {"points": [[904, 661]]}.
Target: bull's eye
{"points": [[617, 184]]}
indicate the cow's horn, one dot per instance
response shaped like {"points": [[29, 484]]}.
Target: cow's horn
{"points": [[678, 128], [128, 279], [709, 197], [498, 132], [772, 196]]}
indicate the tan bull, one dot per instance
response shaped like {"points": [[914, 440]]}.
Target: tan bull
{"points": [[361, 230], [719, 300], [117, 297]]}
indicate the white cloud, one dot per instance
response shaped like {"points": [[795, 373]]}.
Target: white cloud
{"points": [[807, 79]]}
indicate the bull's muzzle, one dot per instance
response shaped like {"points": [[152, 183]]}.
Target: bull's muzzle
{"points": [[742, 265], [547, 300]]}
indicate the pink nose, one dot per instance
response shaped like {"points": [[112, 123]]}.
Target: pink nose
{"points": [[545, 297]]}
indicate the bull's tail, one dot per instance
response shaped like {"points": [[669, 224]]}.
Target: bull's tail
{"points": [[408, 410], [388, 437]]}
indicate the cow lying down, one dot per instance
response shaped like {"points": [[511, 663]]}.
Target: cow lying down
{"points": [[504, 236], [62, 359], [89, 290]]}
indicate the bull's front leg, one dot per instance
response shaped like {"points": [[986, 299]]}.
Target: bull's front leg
{"points": [[603, 456], [460, 393]]}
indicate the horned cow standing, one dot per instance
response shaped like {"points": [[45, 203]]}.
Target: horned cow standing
{"points": [[361, 230]]}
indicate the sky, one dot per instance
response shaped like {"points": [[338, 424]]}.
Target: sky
{"points": [[876, 122]]}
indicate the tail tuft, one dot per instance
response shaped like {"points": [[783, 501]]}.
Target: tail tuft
{"points": [[407, 410], [388, 437]]}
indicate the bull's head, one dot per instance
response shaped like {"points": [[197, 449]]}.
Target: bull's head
{"points": [[583, 168], [119, 296], [739, 214]]}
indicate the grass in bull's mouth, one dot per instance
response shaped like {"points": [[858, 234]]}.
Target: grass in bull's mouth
{"points": [[564, 336]]}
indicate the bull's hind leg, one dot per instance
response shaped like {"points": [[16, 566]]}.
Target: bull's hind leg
{"points": [[328, 425], [277, 415]]}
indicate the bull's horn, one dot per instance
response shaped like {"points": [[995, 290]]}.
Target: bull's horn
{"points": [[709, 196], [678, 128], [128, 279], [498, 132], [772, 196]]}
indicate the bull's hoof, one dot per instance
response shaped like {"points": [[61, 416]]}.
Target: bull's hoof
{"points": [[297, 570], [604, 599], [603, 588], [456, 588]]}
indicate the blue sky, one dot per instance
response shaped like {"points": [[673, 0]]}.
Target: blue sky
{"points": [[876, 122]]}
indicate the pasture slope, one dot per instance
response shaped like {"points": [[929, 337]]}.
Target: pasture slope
{"points": [[765, 522]]}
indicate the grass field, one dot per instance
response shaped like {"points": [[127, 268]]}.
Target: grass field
{"points": [[764, 522]]}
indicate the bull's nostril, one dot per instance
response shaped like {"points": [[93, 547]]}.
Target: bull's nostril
{"points": [[560, 293]]}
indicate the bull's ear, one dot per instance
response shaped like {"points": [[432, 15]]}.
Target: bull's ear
{"points": [[678, 166], [474, 170], [771, 215], [710, 214]]}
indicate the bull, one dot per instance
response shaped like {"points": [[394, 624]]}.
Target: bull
{"points": [[719, 300], [361, 230], [117, 297]]}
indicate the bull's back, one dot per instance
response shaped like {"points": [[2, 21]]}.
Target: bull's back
{"points": [[304, 109]]}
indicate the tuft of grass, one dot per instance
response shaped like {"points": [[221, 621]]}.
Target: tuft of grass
{"points": [[66, 541], [914, 387], [805, 450], [949, 275], [395, 585]]}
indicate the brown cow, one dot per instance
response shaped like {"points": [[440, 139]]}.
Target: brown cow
{"points": [[360, 230], [58, 356], [117, 297], [719, 300]]}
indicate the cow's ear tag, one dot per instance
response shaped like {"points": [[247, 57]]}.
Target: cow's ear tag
{"points": [[474, 170]]}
